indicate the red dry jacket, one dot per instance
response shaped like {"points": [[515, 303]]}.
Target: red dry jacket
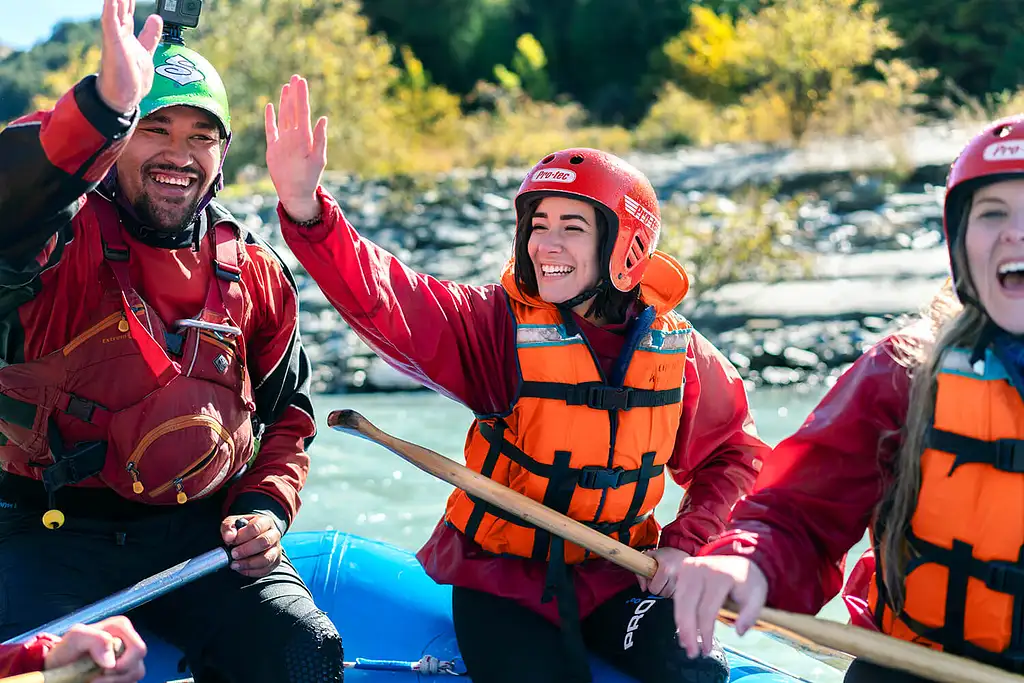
{"points": [[817, 492], [25, 657], [459, 341], [51, 270]]}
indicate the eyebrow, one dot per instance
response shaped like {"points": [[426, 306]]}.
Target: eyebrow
{"points": [[564, 217], [161, 118], [991, 200]]}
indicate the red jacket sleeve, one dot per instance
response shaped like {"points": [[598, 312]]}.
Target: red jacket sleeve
{"points": [[452, 338], [717, 454], [26, 657], [818, 490]]}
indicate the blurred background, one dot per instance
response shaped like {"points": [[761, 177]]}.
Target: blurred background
{"points": [[799, 148]]}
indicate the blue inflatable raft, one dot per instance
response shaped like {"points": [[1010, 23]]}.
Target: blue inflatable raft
{"points": [[390, 615]]}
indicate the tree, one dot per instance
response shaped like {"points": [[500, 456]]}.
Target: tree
{"points": [[799, 51], [82, 61], [350, 73]]}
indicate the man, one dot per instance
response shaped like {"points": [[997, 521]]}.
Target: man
{"points": [[98, 641], [157, 389]]}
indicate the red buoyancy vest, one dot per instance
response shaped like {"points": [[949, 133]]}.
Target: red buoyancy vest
{"points": [[160, 417]]}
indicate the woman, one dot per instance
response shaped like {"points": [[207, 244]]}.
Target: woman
{"points": [[98, 641], [585, 385], [921, 438]]}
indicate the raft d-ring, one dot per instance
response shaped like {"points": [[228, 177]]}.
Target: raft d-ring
{"points": [[53, 519]]}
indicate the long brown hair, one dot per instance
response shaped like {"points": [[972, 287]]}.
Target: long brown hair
{"points": [[947, 323], [609, 304]]}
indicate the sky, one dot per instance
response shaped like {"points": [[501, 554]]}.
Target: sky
{"points": [[26, 22]]}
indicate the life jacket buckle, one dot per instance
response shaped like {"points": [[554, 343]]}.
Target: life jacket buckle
{"points": [[228, 273], [1009, 455], [609, 398], [85, 461], [597, 477]]}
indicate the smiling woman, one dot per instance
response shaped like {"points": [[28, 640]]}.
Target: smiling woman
{"points": [[587, 387]]}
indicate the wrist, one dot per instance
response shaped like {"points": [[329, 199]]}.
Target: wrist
{"points": [[303, 212], [113, 105]]}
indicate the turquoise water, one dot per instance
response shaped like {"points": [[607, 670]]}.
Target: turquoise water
{"points": [[357, 486]]}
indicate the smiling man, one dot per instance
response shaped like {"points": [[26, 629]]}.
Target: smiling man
{"points": [[154, 393]]}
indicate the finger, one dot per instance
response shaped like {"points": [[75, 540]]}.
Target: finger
{"points": [[685, 605], [644, 582], [750, 609], [149, 38], [101, 648], [303, 112], [258, 565], [320, 140], [255, 526], [108, 18], [133, 675], [707, 611], [285, 117], [121, 627], [660, 580], [129, 14], [228, 530], [256, 546], [293, 113], [270, 123]]}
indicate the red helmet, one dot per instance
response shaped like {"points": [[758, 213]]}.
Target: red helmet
{"points": [[623, 193], [996, 153]]}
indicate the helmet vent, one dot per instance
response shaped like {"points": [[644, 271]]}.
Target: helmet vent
{"points": [[1003, 131], [636, 252], [576, 159], [548, 159]]}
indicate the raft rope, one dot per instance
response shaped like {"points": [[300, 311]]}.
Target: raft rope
{"points": [[426, 666]]}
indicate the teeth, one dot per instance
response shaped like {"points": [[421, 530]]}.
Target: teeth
{"points": [[556, 270], [1014, 267], [172, 180]]}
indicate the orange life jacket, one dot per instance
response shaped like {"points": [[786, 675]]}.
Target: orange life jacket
{"points": [[589, 446], [159, 413], [964, 581]]}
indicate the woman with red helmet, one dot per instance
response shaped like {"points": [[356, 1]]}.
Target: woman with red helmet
{"points": [[936, 475], [585, 385]]}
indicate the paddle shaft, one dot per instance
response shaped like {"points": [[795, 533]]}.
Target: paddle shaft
{"points": [[869, 645]]}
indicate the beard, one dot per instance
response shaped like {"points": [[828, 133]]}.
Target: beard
{"points": [[167, 216]]}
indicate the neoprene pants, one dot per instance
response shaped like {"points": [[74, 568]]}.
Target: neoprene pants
{"points": [[231, 628], [504, 642]]}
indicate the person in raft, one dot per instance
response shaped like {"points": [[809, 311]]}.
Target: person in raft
{"points": [[923, 440], [44, 651], [585, 385], [154, 392]]}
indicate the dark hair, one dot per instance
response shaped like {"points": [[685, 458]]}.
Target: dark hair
{"points": [[609, 304]]}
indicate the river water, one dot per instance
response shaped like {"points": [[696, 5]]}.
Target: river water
{"points": [[356, 486]]}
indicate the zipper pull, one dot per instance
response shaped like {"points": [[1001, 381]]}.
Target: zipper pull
{"points": [[122, 326], [137, 487], [182, 498]]}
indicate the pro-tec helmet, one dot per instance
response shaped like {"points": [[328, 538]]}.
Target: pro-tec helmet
{"points": [[623, 194], [997, 153]]}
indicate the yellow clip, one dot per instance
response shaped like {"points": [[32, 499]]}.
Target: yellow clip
{"points": [[182, 498], [53, 519], [122, 325], [137, 487]]}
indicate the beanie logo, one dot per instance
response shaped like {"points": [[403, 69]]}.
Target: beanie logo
{"points": [[180, 70], [554, 175], [999, 151]]}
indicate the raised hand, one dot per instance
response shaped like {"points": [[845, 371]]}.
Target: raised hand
{"points": [[126, 63], [296, 153]]}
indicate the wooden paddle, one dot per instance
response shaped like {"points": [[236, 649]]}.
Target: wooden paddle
{"points": [[82, 670], [860, 642]]}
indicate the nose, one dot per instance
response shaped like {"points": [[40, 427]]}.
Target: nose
{"points": [[177, 151], [1013, 229], [549, 242]]}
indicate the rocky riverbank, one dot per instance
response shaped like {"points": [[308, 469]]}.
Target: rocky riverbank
{"points": [[875, 237]]}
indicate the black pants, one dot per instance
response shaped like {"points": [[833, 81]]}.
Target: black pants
{"points": [[231, 628], [502, 641]]}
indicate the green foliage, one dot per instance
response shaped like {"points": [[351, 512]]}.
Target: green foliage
{"points": [[976, 44], [749, 236], [528, 70]]}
